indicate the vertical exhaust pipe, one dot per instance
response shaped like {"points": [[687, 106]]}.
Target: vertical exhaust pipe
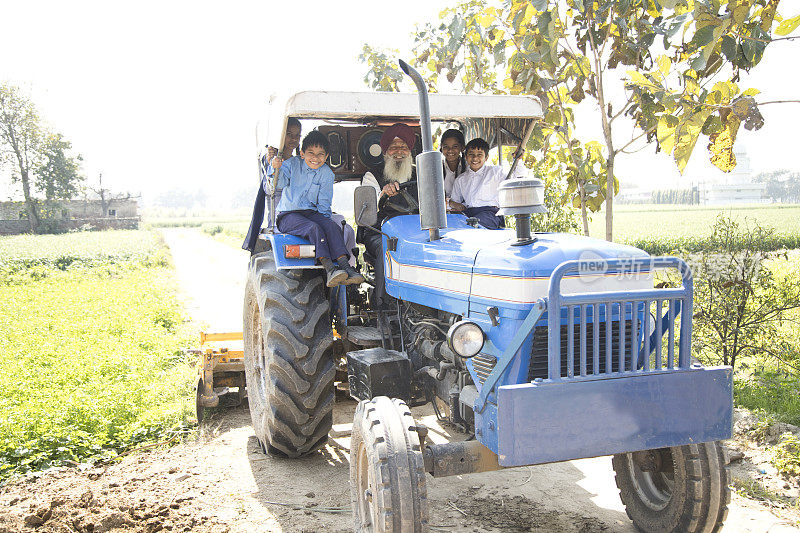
{"points": [[430, 173]]}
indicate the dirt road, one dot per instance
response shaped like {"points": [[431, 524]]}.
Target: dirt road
{"points": [[223, 482]]}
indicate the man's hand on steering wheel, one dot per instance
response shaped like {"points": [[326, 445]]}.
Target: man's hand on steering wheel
{"points": [[409, 205], [394, 188], [390, 189]]}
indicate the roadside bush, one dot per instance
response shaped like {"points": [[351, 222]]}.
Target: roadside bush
{"points": [[786, 456], [212, 230], [560, 216], [740, 304]]}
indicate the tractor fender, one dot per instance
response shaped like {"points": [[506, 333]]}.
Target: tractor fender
{"points": [[277, 242]]}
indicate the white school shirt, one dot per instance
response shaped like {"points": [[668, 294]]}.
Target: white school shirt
{"points": [[479, 189], [449, 180]]}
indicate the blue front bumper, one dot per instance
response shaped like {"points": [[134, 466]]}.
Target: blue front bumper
{"points": [[547, 422]]}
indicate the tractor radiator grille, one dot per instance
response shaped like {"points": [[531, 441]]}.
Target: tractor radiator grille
{"points": [[538, 365], [483, 365]]}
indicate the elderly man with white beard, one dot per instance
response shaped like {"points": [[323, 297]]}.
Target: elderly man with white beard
{"points": [[396, 143]]}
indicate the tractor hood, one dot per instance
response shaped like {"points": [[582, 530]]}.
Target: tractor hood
{"points": [[471, 267]]}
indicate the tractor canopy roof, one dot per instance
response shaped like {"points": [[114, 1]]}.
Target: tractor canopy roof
{"points": [[478, 115]]}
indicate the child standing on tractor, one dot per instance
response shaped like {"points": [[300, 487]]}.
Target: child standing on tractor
{"points": [[477, 187], [305, 207]]}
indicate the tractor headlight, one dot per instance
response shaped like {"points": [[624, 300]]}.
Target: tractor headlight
{"points": [[465, 338]]}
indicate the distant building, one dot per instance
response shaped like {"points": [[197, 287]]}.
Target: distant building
{"points": [[65, 215], [738, 187], [735, 193], [635, 196]]}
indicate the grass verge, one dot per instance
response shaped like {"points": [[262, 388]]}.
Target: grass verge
{"points": [[769, 391], [752, 489], [229, 233]]}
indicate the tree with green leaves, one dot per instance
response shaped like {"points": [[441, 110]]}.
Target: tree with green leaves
{"points": [[37, 159], [59, 176], [20, 140], [383, 73], [682, 60]]}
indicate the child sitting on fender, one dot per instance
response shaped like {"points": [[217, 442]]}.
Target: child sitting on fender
{"points": [[305, 207], [477, 187]]}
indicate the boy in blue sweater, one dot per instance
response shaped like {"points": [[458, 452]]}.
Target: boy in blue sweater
{"points": [[305, 207]]}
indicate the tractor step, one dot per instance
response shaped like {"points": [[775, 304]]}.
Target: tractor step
{"points": [[364, 336]]}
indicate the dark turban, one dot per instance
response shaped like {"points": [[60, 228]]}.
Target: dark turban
{"points": [[403, 131]]}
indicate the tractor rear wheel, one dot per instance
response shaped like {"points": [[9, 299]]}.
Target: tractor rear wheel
{"points": [[387, 470], [679, 489], [288, 357]]}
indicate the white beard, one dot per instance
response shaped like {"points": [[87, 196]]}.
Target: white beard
{"points": [[398, 170]]}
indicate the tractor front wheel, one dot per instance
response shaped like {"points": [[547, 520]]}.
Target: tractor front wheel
{"points": [[288, 357], [678, 489], [387, 470]]}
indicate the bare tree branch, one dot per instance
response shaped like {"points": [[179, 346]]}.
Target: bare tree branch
{"points": [[634, 139]]}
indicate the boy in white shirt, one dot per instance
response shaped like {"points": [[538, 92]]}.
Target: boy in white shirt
{"points": [[477, 188]]}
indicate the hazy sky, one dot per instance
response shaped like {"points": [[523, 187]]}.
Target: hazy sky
{"points": [[167, 94], [159, 95]]}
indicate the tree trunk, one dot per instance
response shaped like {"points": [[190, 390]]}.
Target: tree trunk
{"points": [[609, 188], [584, 214], [21, 150], [30, 202], [601, 101]]}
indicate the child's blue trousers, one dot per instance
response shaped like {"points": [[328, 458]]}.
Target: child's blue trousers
{"points": [[321, 231], [487, 216]]}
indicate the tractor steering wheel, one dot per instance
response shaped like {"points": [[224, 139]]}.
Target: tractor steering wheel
{"points": [[411, 206]]}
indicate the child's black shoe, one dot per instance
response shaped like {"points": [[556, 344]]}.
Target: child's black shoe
{"points": [[336, 276], [353, 276]]}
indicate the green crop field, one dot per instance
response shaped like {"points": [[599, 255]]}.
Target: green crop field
{"points": [[91, 360], [43, 253], [654, 222]]}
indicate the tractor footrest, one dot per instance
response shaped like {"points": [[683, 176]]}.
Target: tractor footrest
{"points": [[364, 336]]}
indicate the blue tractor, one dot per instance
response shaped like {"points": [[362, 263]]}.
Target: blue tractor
{"points": [[542, 347]]}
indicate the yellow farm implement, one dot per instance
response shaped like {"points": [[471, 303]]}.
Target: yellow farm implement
{"points": [[219, 369]]}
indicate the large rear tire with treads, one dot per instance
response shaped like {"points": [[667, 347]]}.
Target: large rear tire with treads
{"points": [[288, 357]]}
